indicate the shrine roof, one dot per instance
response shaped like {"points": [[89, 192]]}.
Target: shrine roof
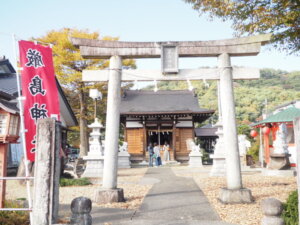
{"points": [[206, 131], [7, 77], [10, 107], [161, 102], [287, 115]]}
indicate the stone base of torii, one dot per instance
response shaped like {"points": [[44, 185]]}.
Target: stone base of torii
{"points": [[170, 51]]}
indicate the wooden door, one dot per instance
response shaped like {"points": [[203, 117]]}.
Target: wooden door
{"points": [[135, 140], [182, 134]]}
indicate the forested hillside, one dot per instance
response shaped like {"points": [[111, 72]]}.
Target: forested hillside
{"points": [[275, 87]]}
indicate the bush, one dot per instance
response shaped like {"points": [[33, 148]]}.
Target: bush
{"points": [[290, 209], [14, 217], [74, 182], [254, 150]]}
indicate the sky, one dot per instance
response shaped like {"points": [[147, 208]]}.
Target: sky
{"points": [[131, 20]]}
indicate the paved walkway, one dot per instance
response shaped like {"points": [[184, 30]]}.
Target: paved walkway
{"points": [[171, 200]]}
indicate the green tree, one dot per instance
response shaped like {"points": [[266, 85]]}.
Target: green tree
{"points": [[69, 65], [279, 17], [250, 95]]}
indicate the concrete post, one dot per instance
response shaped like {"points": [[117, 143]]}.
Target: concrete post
{"points": [[234, 193], [109, 191]]}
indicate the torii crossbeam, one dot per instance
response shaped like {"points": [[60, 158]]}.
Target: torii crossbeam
{"points": [[170, 51]]}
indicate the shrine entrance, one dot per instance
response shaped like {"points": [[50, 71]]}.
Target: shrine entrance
{"points": [[159, 117], [160, 137], [169, 52]]}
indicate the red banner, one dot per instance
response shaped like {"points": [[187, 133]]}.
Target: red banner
{"points": [[38, 88]]}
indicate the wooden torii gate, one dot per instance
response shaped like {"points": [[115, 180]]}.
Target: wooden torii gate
{"points": [[169, 53]]}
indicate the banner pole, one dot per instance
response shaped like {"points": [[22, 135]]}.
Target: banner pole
{"points": [[20, 99]]}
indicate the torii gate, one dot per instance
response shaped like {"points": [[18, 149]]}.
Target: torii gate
{"points": [[169, 52]]}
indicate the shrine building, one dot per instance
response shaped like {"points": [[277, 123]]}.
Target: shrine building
{"points": [[159, 117]]}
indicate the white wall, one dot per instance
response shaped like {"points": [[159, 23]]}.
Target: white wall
{"points": [[133, 124]]}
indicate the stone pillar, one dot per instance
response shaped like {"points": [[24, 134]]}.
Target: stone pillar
{"points": [[112, 124], [297, 143], [109, 188], [47, 172], [234, 193]]}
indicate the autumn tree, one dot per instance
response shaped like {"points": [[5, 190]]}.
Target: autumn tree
{"points": [[69, 65], [279, 17]]}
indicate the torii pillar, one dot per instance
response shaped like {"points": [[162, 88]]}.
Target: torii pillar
{"points": [[169, 52]]}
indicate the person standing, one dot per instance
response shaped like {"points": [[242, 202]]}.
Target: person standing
{"points": [[166, 149], [157, 154], [151, 153]]}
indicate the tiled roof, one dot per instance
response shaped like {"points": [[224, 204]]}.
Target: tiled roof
{"points": [[287, 115], [148, 102], [9, 106], [206, 132]]}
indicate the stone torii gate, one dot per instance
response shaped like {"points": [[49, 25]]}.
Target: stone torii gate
{"points": [[169, 53]]}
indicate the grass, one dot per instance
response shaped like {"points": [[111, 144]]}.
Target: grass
{"points": [[14, 217], [74, 182]]}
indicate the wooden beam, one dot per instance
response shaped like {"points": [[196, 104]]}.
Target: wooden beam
{"points": [[97, 49], [239, 73]]}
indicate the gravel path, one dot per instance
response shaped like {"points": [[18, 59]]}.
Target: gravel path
{"points": [[128, 179], [244, 214], [136, 187]]}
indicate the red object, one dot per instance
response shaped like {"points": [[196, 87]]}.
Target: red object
{"points": [[253, 133], [266, 130], [38, 88]]}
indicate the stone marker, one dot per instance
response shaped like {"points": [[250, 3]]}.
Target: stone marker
{"points": [[47, 172], [272, 209], [81, 208]]}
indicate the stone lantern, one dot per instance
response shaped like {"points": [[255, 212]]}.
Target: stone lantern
{"points": [[95, 144], [95, 157], [9, 133]]}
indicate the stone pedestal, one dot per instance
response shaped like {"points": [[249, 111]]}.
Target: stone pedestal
{"points": [[94, 166], [195, 154], [195, 159], [278, 173], [219, 160], [103, 196], [279, 162], [229, 196], [124, 160]]}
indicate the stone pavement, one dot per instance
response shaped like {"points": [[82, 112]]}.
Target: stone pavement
{"points": [[171, 200]]}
